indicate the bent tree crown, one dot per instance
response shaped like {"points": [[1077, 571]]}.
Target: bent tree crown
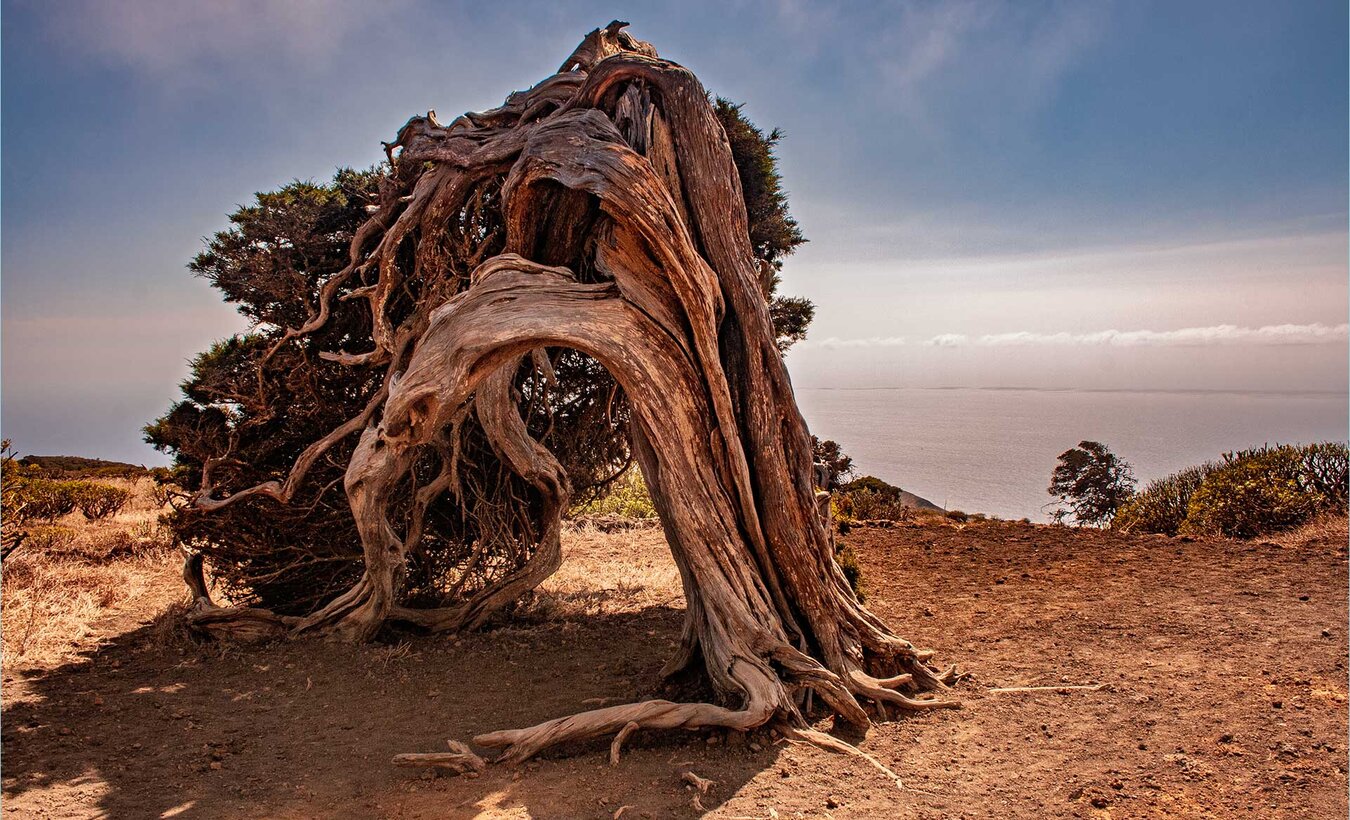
{"points": [[599, 211]]}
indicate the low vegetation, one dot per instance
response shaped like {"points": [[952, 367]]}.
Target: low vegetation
{"points": [[68, 571], [1245, 494], [626, 497]]}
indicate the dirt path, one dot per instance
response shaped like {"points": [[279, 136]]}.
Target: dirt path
{"points": [[1224, 666]]}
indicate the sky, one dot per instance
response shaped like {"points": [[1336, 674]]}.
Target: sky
{"points": [[1123, 195]]}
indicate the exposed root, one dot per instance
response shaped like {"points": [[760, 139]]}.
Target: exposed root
{"points": [[235, 622], [830, 743], [703, 784], [624, 237], [865, 685], [520, 745]]}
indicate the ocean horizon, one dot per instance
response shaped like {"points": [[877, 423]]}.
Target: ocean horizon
{"points": [[991, 449]]}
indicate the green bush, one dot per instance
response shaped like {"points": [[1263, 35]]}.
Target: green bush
{"points": [[1161, 507], [848, 562], [873, 484], [1325, 470], [1250, 495], [98, 501], [627, 497], [1246, 493], [1266, 489], [44, 499], [870, 499]]}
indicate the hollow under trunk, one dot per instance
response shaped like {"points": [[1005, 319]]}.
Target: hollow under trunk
{"points": [[617, 165]]}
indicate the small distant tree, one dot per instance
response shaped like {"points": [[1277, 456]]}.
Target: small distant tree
{"points": [[837, 466], [1091, 483]]}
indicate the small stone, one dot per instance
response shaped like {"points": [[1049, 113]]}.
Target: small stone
{"points": [[831, 803], [1326, 633], [1277, 704], [216, 765], [713, 740], [1225, 738], [755, 747], [64, 730], [1100, 802], [1303, 598], [1117, 785]]}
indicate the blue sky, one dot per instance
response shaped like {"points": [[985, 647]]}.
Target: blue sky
{"points": [[990, 189]]}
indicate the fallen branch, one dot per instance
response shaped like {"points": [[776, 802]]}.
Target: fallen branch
{"points": [[459, 759]]}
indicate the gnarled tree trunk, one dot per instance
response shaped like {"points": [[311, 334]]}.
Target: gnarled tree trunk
{"points": [[626, 239]]}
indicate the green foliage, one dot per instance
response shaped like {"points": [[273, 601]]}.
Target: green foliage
{"points": [[848, 562], [774, 234], [1267, 489], [99, 501], [1091, 483], [626, 497], [871, 483], [1324, 469], [870, 499], [1247, 493], [1161, 507], [31, 497], [45, 499], [831, 459]]}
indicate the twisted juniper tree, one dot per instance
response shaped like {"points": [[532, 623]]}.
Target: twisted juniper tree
{"points": [[595, 222]]}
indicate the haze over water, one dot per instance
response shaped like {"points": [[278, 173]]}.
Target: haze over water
{"points": [[991, 450]]}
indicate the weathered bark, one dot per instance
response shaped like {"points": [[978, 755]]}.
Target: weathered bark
{"points": [[626, 239]]}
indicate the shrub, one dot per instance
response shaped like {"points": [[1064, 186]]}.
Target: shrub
{"points": [[98, 501], [627, 497], [873, 484], [957, 515], [45, 499], [1325, 470], [1248, 492], [870, 498], [1161, 507], [848, 562], [1250, 495], [1266, 489]]}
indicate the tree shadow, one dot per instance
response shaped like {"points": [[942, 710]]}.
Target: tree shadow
{"points": [[141, 727]]}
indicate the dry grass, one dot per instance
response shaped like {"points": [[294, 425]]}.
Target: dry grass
{"points": [[74, 572], [606, 573], [1328, 529]]}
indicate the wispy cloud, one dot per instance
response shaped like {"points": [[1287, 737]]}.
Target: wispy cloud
{"points": [[1310, 334], [182, 44], [933, 52]]}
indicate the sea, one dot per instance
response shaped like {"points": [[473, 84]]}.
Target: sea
{"points": [[991, 450]]}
